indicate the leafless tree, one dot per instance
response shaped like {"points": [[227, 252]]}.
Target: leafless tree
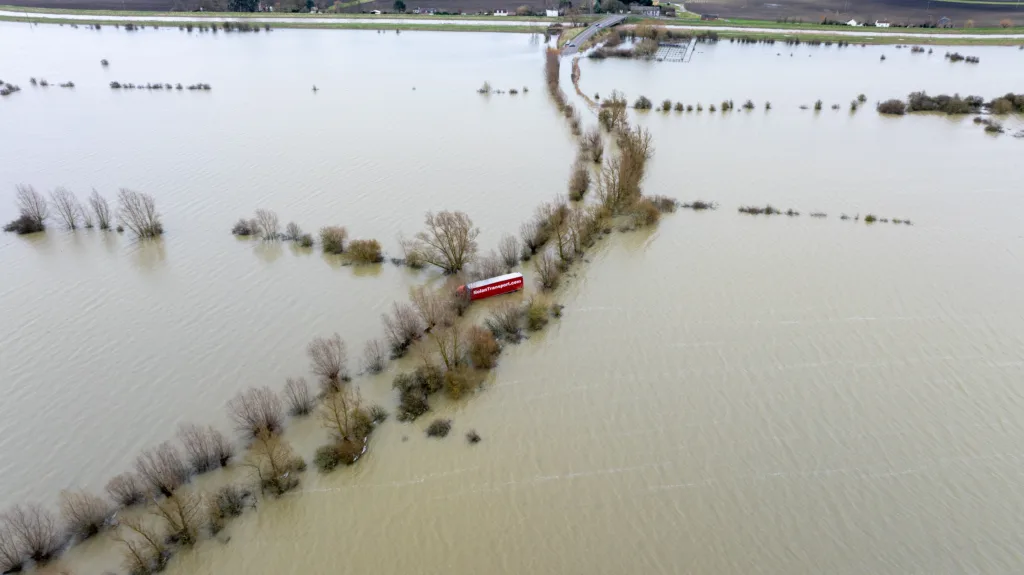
{"points": [[297, 396], [373, 356], [256, 409], [36, 531], [508, 247], [145, 550], [32, 205], [505, 322], [84, 513], [101, 209], [591, 145], [275, 463], [488, 266], [411, 251], [329, 361], [125, 489], [137, 212], [182, 515], [450, 343], [292, 231], [431, 306], [401, 328], [579, 181], [533, 236], [162, 468], [449, 242], [268, 224], [206, 449], [67, 207], [339, 414], [11, 557], [548, 272]]}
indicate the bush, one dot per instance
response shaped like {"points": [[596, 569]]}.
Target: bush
{"points": [[592, 146], [664, 204], [401, 328], [377, 414], [373, 356], [893, 107], [256, 410], [473, 437], [306, 241], [748, 105], [292, 232], [579, 181], [125, 489], [505, 321], [33, 530], [548, 272], [298, 397], [536, 314], [645, 213], [332, 238], [700, 205], [365, 251], [817, 106], [162, 468], [206, 449], [1002, 106], [456, 382], [767, 210], [414, 387], [642, 103], [666, 105], [679, 107], [24, 224], [230, 501], [329, 457], [508, 247], [84, 514], [483, 348], [439, 428], [328, 361], [137, 212]]}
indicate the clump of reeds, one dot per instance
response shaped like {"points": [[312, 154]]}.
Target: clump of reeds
{"points": [[767, 210]]}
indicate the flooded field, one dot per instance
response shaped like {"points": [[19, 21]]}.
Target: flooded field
{"points": [[724, 394]]}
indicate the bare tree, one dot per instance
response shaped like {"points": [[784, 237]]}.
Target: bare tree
{"points": [[508, 247], [329, 361], [488, 266], [431, 306], [373, 356], [255, 410], [101, 209], [338, 414], [206, 449], [137, 212], [579, 181], [401, 328], [268, 224], [506, 320], [591, 145], [145, 550], [125, 489], [548, 272], [35, 530], [162, 468], [450, 343], [182, 514], [449, 242], [292, 232], [275, 463], [11, 557], [84, 513], [297, 396], [32, 204], [67, 207]]}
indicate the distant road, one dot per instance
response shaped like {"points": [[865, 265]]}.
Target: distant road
{"points": [[573, 46]]}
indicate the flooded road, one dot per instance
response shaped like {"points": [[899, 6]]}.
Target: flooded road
{"points": [[724, 394]]}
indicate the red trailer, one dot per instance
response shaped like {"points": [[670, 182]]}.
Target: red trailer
{"points": [[507, 283]]}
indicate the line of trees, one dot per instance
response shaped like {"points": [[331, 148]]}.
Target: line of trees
{"points": [[266, 226], [136, 212]]}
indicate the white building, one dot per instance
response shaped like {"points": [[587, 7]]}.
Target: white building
{"points": [[852, 23], [551, 13], [501, 12], [881, 24]]}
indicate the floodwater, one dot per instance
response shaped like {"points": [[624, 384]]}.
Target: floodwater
{"points": [[725, 394]]}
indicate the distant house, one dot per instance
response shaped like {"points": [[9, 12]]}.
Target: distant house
{"points": [[882, 23], [709, 16], [668, 11], [945, 23], [852, 23], [650, 11], [551, 13], [501, 12]]}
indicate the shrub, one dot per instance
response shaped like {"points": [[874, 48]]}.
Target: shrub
{"points": [[206, 449], [862, 98], [894, 107], [483, 349], [298, 397], [817, 106], [767, 210], [256, 410], [456, 382], [666, 105], [230, 501], [12, 560], [508, 247], [275, 463], [679, 107], [536, 314], [473, 437], [505, 321], [104, 62], [365, 251], [332, 238], [870, 219], [306, 241], [664, 204], [748, 105], [642, 103], [137, 212], [1002, 106], [329, 457], [373, 356], [292, 232], [401, 328], [439, 428], [125, 489], [700, 205], [33, 530], [994, 128], [84, 514], [414, 387], [23, 225], [377, 414], [162, 468], [548, 272], [182, 514], [592, 146], [645, 213], [244, 227], [712, 108], [329, 361], [579, 181], [767, 106]]}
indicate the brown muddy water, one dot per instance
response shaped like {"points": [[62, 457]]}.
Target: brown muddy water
{"points": [[725, 394]]}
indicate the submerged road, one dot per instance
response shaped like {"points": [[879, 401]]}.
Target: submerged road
{"points": [[573, 46]]}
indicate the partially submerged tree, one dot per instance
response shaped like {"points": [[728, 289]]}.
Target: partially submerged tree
{"points": [[162, 468], [137, 212], [66, 205], [275, 463], [365, 251], [11, 557], [401, 328], [298, 397], [35, 531], [431, 306], [182, 514], [329, 361], [32, 211], [206, 449], [483, 348], [84, 514], [508, 247], [449, 241], [548, 272], [450, 343], [332, 238], [342, 415], [256, 410], [374, 356], [100, 209], [579, 181], [125, 489], [268, 224], [145, 550]]}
